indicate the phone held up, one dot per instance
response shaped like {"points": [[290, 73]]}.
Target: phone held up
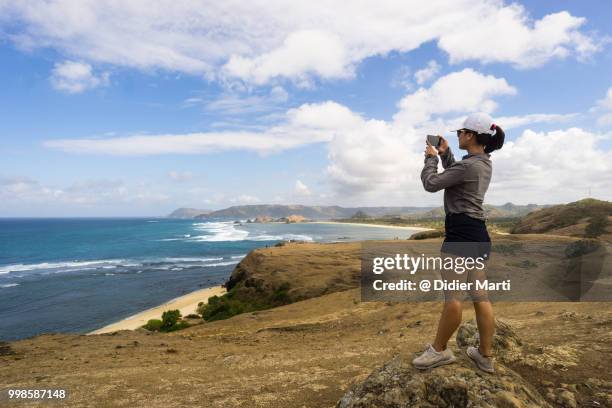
{"points": [[433, 140]]}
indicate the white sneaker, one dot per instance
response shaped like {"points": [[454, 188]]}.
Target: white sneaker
{"points": [[432, 358], [484, 363]]}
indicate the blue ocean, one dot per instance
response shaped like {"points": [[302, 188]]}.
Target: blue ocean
{"points": [[77, 275]]}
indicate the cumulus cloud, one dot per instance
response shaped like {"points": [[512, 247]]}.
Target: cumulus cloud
{"points": [[378, 162], [427, 73], [504, 34], [556, 166], [462, 91], [381, 164], [262, 41], [511, 122], [75, 77]]}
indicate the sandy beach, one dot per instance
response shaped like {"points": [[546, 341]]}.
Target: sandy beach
{"points": [[371, 225], [187, 304]]}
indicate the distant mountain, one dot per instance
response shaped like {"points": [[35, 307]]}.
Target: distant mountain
{"points": [[276, 211], [511, 210], [187, 213], [584, 218], [309, 212]]}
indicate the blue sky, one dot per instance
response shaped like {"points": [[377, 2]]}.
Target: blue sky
{"points": [[117, 112]]}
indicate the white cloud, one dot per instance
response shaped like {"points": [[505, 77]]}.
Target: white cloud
{"points": [[377, 162], [301, 189], [302, 53], [235, 103], [603, 109], [76, 77], [380, 164], [557, 166], [19, 192], [427, 73], [262, 41], [511, 122], [401, 78], [505, 34], [462, 91], [310, 123]]}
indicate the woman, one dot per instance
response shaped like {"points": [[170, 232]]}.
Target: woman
{"points": [[465, 183]]}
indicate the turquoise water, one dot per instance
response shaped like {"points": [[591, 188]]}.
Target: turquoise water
{"points": [[76, 275]]}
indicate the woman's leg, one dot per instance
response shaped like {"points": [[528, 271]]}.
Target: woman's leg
{"points": [[484, 312], [486, 326], [452, 309], [449, 322]]}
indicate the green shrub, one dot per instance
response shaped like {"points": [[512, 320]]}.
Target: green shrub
{"points": [[427, 234], [596, 226], [507, 249], [153, 325], [525, 264], [170, 318], [176, 326], [582, 247], [170, 321], [281, 293], [244, 299]]}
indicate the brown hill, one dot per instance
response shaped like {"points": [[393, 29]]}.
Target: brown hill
{"points": [[311, 352], [585, 218]]}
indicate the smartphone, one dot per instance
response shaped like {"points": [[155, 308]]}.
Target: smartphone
{"points": [[433, 140]]}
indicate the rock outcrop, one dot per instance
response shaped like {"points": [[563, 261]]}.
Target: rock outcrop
{"points": [[399, 384], [293, 218], [263, 219]]}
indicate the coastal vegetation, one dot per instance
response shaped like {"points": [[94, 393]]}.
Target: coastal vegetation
{"points": [[242, 299], [170, 321]]}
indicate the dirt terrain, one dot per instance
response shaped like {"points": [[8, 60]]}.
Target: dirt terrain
{"points": [[308, 353]]}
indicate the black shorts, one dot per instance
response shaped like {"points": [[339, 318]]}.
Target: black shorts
{"points": [[466, 236]]}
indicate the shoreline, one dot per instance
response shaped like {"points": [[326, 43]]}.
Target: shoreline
{"points": [[187, 304], [370, 225]]}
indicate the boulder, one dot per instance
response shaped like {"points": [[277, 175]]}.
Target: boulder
{"points": [[507, 345], [398, 384], [459, 385]]}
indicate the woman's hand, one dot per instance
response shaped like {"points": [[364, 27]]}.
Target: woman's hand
{"points": [[430, 151], [443, 147]]}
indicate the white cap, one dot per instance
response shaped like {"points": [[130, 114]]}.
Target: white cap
{"points": [[479, 122]]}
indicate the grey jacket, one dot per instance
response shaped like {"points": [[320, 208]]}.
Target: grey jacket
{"points": [[465, 182]]}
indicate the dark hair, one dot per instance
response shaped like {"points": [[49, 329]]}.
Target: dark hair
{"points": [[491, 142]]}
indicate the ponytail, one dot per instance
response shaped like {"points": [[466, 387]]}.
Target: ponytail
{"points": [[492, 142]]}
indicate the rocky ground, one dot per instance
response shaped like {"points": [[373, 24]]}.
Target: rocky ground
{"points": [[324, 351]]}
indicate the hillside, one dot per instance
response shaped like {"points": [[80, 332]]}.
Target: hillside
{"points": [[309, 212], [327, 349], [276, 211], [585, 218]]}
